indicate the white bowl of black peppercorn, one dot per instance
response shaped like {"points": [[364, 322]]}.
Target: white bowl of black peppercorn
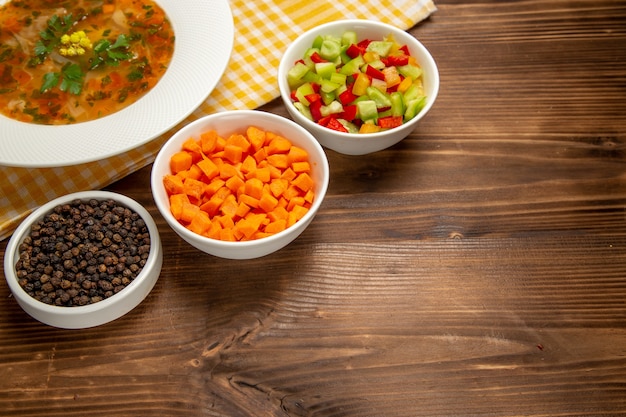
{"points": [[83, 259]]}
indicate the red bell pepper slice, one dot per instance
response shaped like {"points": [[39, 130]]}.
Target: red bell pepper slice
{"points": [[353, 51], [395, 60], [316, 109], [315, 57], [405, 49], [316, 87], [334, 124], [390, 122], [347, 96], [374, 73], [364, 44], [323, 121], [293, 96], [313, 97], [349, 113]]}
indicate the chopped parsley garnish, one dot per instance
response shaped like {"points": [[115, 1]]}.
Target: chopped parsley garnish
{"points": [[50, 37], [71, 78]]}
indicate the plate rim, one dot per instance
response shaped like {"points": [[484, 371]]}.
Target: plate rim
{"points": [[14, 133]]}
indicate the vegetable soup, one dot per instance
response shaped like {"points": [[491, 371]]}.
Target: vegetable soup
{"points": [[78, 60]]}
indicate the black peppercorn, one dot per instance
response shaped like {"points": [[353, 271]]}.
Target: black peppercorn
{"points": [[82, 252]]}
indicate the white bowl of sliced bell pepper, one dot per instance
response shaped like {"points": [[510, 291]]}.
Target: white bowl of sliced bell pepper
{"points": [[359, 86]]}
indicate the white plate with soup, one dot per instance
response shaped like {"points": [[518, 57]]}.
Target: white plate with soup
{"points": [[202, 43]]}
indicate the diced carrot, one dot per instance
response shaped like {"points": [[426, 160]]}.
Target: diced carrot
{"points": [[214, 231], [278, 187], [238, 234], [176, 204], [248, 200], [212, 205], [208, 140], [233, 153], [248, 164], [220, 142], [21, 76], [173, 184], [255, 219], [282, 202], [223, 192], [303, 182], [302, 166], [194, 172], [275, 172], [192, 146], [291, 219], [276, 226], [279, 160], [209, 168], [200, 223], [260, 155], [180, 161], [226, 234], [247, 228], [212, 187], [234, 183], [262, 174], [193, 188], [268, 202], [297, 154], [291, 192], [229, 206], [278, 145], [309, 196], [289, 174], [278, 213], [227, 222], [238, 140], [240, 188], [299, 212], [254, 188], [227, 171], [269, 136], [108, 8], [12, 24], [242, 210], [295, 201], [260, 235], [183, 174], [256, 137], [189, 212]]}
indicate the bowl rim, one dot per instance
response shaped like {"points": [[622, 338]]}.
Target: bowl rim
{"points": [[165, 152], [284, 66], [12, 254]]}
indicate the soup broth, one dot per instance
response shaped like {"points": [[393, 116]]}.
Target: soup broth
{"points": [[72, 61]]}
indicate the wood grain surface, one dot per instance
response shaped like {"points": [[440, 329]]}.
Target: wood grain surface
{"points": [[478, 268]]}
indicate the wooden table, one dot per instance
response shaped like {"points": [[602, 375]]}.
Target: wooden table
{"points": [[477, 268]]}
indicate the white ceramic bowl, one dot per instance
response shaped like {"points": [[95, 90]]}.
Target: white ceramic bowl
{"points": [[95, 314], [226, 123], [352, 143]]}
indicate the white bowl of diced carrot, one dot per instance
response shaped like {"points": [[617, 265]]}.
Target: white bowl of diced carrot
{"points": [[240, 184], [359, 86]]}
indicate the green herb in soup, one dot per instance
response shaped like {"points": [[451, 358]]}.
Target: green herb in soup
{"points": [[79, 60]]}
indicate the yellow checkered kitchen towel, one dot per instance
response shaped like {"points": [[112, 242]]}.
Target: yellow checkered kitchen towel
{"points": [[263, 30]]}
